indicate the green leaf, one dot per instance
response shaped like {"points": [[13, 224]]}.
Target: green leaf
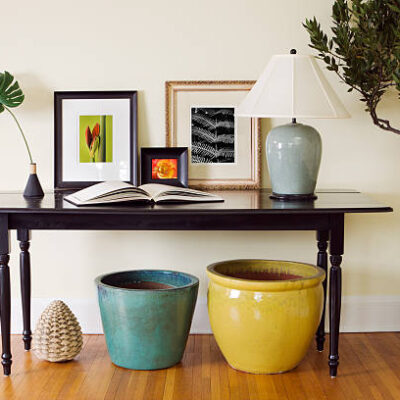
{"points": [[11, 94], [6, 81], [394, 8]]}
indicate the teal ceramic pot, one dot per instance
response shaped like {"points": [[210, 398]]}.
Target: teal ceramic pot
{"points": [[294, 156], [146, 316]]}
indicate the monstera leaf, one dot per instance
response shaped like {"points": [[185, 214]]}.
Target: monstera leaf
{"points": [[11, 96], [10, 93]]}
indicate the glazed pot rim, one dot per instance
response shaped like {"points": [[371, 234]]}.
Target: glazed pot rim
{"points": [[194, 281], [265, 285]]}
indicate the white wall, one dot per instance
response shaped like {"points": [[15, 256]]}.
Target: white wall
{"points": [[131, 44]]}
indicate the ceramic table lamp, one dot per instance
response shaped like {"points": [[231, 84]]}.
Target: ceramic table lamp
{"points": [[292, 86]]}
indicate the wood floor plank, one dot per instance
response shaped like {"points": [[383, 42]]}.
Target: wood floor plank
{"points": [[319, 364], [224, 388], [183, 388], [22, 361], [190, 344], [64, 372], [252, 387], [99, 374], [386, 371], [124, 389], [140, 385], [81, 366], [205, 366], [370, 366], [169, 384], [215, 360], [369, 369], [355, 382], [354, 374], [113, 385], [155, 385], [309, 380]]}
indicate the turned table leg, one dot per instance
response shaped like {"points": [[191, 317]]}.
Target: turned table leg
{"points": [[5, 296], [23, 235], [322, 262], [335, 290]]}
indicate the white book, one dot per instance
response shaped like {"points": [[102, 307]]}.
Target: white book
{"points": [[118, 191]]}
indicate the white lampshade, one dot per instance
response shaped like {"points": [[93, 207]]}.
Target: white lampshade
{"points": [[292, 86]]}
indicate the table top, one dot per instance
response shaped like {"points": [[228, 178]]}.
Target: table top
{"points": [[236, 201]]}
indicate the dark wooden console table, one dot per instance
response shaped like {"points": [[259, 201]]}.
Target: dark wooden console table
{"points": [[242, 210]]}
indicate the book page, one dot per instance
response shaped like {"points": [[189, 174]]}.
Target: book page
{"points": [[106, 189], [153, 189], [157, 191], [116, 198], [161, 192], [187, 198]]}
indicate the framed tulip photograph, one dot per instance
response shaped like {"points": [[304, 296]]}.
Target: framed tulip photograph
{"points": [[224, 149], [95, 138], [164, 165]]}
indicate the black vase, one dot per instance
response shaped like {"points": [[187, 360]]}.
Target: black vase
{"points": [[33, 188]]}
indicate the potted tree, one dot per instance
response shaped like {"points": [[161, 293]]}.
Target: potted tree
{"points": [[364, 50]]}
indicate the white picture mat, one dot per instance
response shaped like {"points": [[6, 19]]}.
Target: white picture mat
{"points": [[119, 168], [185, 100]]}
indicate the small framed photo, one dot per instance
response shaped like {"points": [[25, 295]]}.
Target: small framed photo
{"points": [[95, 138], [224, 150], [164, 165]]}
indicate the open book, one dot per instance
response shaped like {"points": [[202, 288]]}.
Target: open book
{"points": [[117, 191]]}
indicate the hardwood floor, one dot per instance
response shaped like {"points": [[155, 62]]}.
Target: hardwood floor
{"points": [[369, 369]]}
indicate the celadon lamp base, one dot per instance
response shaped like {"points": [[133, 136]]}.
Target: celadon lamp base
{"points": [[293, 156]]}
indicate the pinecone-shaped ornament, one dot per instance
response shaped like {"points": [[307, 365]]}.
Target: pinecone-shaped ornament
{"points": [[58, 335]]}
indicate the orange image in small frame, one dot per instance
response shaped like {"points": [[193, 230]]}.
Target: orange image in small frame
{"points": [[164, 168]]}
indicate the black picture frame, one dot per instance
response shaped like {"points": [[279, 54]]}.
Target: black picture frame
{"points": [[59, 97], [147, 154]]}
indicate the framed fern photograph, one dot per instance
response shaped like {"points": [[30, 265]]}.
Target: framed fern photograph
{"points": [[213, 135], [224, 151]]}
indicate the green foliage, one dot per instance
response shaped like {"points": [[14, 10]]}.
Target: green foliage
{"points": [[364, 50], [10, 93], [12, 96]]}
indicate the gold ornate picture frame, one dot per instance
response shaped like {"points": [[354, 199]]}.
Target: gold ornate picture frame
{"points": [[224, 150]]}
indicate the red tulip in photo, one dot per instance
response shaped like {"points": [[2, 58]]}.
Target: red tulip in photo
{"points": [[92, 140]]}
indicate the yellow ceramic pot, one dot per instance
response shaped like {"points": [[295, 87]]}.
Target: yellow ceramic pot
{"points": [[264, 313]]}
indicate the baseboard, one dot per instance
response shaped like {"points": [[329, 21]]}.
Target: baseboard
{"points": [[88, 315], [370, 314], [359, 314]]}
